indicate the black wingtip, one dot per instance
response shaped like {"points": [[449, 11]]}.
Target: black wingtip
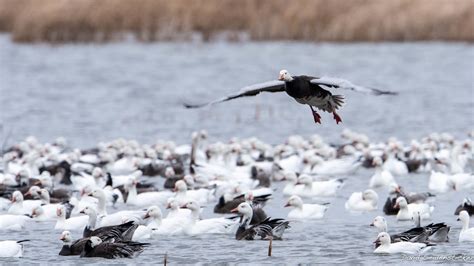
{"points": [[191, 106], [21, 241], [381, 92]]}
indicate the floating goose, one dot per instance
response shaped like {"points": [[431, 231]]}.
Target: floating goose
{"points": [[94, 247], [362, 201], [226, 203], [381, 177], [20, 206], [11, 249], [73, 223], [386, 247], [207, 226], [432, 232], [407, 210], [326, 188], [304, 211], [145, 198], [268, 228], [305, 90], [122, 231], [466, 234], [13, 222]]}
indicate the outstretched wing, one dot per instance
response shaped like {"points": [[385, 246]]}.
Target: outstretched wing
{"points": [[252, 90], [347, 85]]}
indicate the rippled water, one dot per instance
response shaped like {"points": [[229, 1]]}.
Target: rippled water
{"points": [[90, 93]]}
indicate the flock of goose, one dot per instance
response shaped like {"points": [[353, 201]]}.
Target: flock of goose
{"points": [[78, 191]]}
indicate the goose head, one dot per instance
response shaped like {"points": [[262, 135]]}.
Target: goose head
{"points": [[380, 223], [89, 211], [61, 211], [394, 188], [66, 237], [248, 196], [33, 191], [180, 186], [285, 75], [401, 203], [95, 241], [153, 212], [192, 205], [244, 208], [377, 162], [370, 195], [305, 180], [172, 204], [464, 217], [98, 194], [17, 197], [294, 201], [169, 172], [37, 211], [44, 196], [383, 239], [97, 172]]}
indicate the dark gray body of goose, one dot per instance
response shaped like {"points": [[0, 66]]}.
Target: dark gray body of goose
{"points": [[268, 228], [112, 250], [122, 232], [389, 206], [74, 249], [466, 205], [225, 207], [305, 90]]}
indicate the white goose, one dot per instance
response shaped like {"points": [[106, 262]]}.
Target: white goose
{"points": [[407, 210], [183, 195], [21, 206], [11, 249], [362, 201], [386, 247], [207, 226], [304, 211], [466, 234], [382, 177], [337, 167], [175, 211], [145, 198], [312, 188], [13, 222], [73, 223], [115, 218]]}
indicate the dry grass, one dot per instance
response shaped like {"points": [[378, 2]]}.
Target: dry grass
{"points": [[309, 20]]}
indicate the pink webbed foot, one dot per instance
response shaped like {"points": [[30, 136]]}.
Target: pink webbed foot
{"points": [[337, 117]]}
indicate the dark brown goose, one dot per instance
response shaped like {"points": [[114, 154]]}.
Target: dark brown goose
{"points": [[305, 90], [94, 247]]}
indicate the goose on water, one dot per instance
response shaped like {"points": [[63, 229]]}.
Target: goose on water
{"points": [[384, 246], [303, 211], [466, 234], [11, 248], [95, 247]]}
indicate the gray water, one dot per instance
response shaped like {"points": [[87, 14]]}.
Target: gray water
{"points": [[90, 93]]}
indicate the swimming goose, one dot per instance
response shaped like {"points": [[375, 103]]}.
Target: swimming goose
{"points": [[407, 210], [362, 201], [412, 197], [73, 223], [466, 234], [13, 222], [11, 248], [386, 247], [304, 211], [20, 206], [336, 167], [432, 232], [268, 228], [305, 90], [207, 226], [123, 231], [94, 247], [381, 177], [145, 198], [326, 188], [183, 195]]}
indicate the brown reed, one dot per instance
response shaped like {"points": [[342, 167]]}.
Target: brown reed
{"points": [[59, 21]]}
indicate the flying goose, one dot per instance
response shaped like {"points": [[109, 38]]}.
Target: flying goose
{"points": [[305, 90]]}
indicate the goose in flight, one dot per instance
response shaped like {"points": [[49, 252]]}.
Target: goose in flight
{"points": [[305, 90]]}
